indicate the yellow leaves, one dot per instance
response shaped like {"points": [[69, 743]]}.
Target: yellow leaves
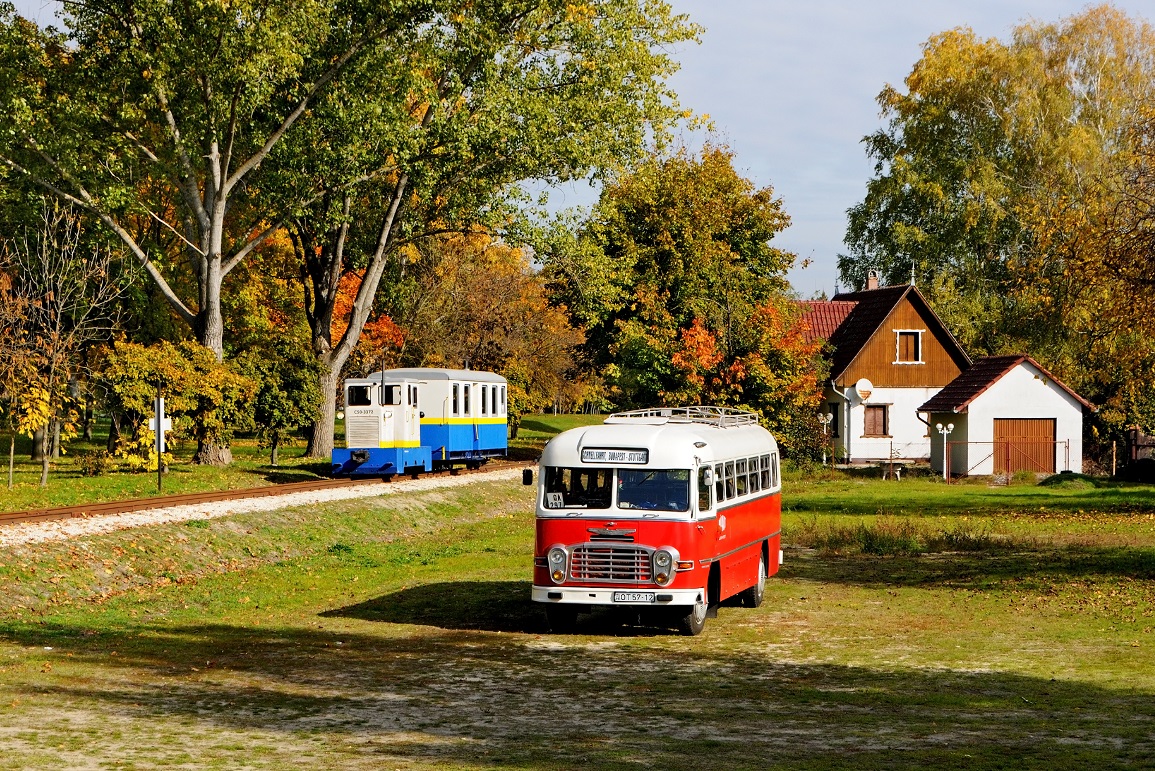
{"points": [[580, 13]]}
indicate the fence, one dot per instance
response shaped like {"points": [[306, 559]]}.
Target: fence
{"points": [[1006, 456]]}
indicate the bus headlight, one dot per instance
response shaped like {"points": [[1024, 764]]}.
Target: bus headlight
{"points": [[556, 561], [665, 561]]}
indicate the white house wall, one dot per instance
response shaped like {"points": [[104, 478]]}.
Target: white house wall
{"points": [[1024, 392], [908, 437]]}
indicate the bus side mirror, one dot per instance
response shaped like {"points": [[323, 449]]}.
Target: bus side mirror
{"points": [[527, 476], [708, 477]]}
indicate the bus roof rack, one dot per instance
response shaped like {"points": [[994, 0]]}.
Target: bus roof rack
{"points": [[723, 417]]}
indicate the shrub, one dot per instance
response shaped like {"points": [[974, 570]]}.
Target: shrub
{"points": [[94, 463]]}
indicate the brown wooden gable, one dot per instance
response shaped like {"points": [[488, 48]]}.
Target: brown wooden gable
{"points": [[942, 360]]}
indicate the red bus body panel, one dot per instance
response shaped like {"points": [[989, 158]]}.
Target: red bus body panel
{"points": [[733, 538]]}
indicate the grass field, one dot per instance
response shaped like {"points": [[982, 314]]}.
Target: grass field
{"points": [[68, 485], [913, 624]]}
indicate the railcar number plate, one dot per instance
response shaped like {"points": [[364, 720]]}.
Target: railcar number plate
{"points": [[633, 596]]}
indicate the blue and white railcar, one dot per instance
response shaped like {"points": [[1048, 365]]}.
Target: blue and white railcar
{"points": [[409, 420]]}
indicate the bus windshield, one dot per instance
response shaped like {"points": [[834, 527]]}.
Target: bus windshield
{"points": [[654, 489], [587, 488]]}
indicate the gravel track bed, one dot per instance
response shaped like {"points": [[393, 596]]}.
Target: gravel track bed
{"points": [[19, 533]]}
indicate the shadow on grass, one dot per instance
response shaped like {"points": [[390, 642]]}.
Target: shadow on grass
{"points": [[490, 606], [975, 570], [478, 700]]}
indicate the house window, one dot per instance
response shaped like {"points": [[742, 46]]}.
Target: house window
{"points": [[909, 346], [835, 409], [877, 423]]}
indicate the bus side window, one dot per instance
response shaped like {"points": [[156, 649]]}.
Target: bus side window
{"points": [[485, 400], [719, 482], [755, 476], [767, 479], [740, 476], [456, 405], [730, 490], [703, 490]]}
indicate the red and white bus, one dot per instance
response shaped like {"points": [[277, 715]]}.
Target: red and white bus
{"points": [[670, 511]]}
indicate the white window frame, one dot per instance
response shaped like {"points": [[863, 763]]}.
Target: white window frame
{"points": [[898, 345]]}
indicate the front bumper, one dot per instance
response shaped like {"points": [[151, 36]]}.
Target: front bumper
{"points": [[585, 595]]}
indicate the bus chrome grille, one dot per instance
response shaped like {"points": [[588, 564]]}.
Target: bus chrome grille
{"points": [[602, 562]]}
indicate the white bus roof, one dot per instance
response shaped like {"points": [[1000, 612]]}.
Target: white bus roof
{"points": [[669, 443], [423, 373]]}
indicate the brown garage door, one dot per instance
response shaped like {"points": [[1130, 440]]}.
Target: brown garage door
{"points": [[1024, 444]]}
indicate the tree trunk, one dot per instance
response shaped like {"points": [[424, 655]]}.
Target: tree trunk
{"points": [[321, 436], [11, 458], [89, 417], [114, 432], [44, 471], [39, 444], [55, 440], [209, 454], [273, 451]]}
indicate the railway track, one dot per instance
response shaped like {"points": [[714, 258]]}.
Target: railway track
{"points": [[166, 501]]}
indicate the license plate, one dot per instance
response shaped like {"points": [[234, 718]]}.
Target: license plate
{"points": [[633, 596]]}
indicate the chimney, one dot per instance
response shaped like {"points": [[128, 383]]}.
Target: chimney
{"points": [[872, 280]]}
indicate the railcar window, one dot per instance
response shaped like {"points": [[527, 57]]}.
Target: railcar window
{"points": [[391, 394], [503, 407], [493, 400], [359, 396], [730, 490], [466, 399], [774, 469], [719, 484], [740, 476], [485, 400], [456, 404], [755, 476], [767, 480], [583, 488], [654, 489], [703, 490]]}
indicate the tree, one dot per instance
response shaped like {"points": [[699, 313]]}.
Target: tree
{"points": [[206, 398], [689, 298], [286, 397], [63, 293], [158, 118], [491, 95], [996, 178]]}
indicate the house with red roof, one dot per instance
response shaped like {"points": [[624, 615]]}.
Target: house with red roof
{"points": [[1005, 414], [890, 353]]}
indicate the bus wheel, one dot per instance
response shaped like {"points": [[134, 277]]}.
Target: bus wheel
{"points": [[562, 619], [694, 622], [752, 597]]}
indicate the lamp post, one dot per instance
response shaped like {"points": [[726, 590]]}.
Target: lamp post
{"points": [[825, 421], [945, 431]]}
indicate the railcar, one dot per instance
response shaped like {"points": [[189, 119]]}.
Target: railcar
{"points": [[403, 421], [663, 512]]}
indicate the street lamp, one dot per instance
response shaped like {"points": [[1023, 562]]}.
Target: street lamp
{"points": [[944, 430], [825, 420]]}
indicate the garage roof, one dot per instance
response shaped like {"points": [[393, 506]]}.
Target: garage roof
{"points": [[980, 376]]}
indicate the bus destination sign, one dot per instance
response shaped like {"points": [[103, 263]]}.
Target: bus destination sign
{"points": [[593, 455]]}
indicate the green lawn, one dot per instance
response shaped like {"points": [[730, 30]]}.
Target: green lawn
{"points": [[397, 633], [68, 485]]}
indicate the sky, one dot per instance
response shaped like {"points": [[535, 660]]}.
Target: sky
{"points": [[790, 86]]}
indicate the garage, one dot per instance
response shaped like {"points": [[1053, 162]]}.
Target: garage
{"points": [[1005, 414]]}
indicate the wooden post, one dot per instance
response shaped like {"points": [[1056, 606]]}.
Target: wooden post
{"points": [[1113, 457]]}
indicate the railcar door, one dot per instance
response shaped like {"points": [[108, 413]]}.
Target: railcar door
{"points": [[409, 426]]}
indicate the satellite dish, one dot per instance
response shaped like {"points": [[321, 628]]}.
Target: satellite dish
{"points": [[864, 388]]}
